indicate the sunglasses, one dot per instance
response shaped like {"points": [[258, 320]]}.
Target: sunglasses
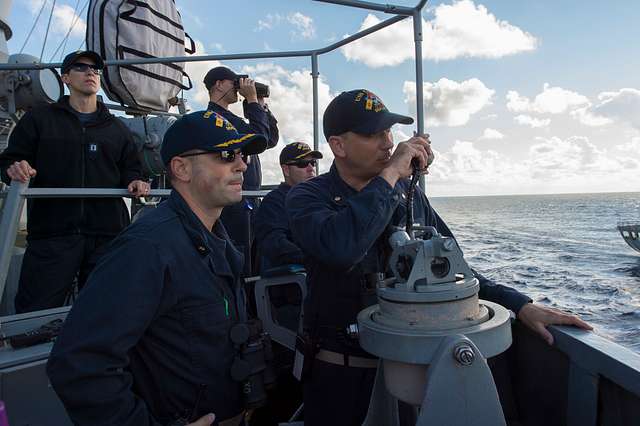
{"points": [[80, 67], [304, 164], [226, 156]]}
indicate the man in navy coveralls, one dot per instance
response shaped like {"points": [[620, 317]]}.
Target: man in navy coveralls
{"points": [[339, 220]]}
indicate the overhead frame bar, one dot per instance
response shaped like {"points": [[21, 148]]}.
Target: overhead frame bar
{"points": [[400, 12]]}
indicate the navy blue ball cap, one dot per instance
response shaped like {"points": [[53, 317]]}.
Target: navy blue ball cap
{"points": [[297, 151], [208, 131], [73, 57], [359, 111], [219, 73]]}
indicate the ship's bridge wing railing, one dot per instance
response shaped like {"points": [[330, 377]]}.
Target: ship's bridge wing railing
{"points": [[400, 13], [14, 199], [13, 203]]}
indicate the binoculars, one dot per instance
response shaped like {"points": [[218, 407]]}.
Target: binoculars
{"points": [[252, 365], [262, 90]]}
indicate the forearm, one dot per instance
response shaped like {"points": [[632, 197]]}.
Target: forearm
{"points": [[506, 296], [341, 238]]}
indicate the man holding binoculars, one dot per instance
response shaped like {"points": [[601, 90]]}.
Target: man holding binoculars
{"points": [[224, 86]]}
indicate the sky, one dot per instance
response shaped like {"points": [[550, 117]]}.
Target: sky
{"points": [[521, 97]]}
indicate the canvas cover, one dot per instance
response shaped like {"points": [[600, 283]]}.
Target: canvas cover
{"points": [[134, 29]]}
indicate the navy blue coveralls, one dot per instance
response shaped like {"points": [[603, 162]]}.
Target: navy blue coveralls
{"points": [[238, 218], [273, 239], [66, 236], [150, 332], [342, 234]]}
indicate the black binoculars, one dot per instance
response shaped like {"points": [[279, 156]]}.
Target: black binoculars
{"points": [[262, 90]]}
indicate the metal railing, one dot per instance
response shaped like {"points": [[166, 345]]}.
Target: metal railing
{"points": [[14, 198], [400, 12]]}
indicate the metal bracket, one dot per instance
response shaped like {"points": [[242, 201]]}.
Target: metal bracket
{"points": [[279, 333], [460, 390]]}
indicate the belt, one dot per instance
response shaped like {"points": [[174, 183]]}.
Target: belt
{"points": [[234, 421], [346, 360]]}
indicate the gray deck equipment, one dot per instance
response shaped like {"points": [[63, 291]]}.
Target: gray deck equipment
{"points": [[433, 334]]}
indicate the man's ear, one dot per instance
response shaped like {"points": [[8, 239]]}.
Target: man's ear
{"points": [[181, 169], [285, 170], [65, 78], [336, 143]]}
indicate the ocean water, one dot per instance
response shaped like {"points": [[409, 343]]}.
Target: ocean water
{"points": [[563, 251]]}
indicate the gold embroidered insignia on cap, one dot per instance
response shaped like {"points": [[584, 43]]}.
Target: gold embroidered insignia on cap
{"points": [[219, 121], [207, 114], [372, 102]]}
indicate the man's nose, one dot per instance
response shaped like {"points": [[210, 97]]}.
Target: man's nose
{"points": [[240, 164]]}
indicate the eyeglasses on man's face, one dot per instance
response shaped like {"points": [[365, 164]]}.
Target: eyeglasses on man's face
{"points": [[226, 156], [82, 67], [304, 164]]}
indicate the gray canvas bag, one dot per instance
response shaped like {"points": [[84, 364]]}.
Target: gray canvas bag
{"points": [[134, 29]]}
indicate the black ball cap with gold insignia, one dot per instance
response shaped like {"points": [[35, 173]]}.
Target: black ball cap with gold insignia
{"points": [[208, 131], [297, 151], [359, 111]]}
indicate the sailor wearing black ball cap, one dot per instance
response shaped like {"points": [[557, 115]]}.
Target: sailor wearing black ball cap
{"points": [[338, 220], [148, 342], [223, 86]]}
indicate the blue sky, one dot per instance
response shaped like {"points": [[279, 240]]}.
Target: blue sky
{"points": [[522, 97]]}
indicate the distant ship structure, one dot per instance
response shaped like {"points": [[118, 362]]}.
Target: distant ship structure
{"points": [[631, 233]]}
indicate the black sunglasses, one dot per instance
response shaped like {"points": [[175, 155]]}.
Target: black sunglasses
{"points": [[304, 164], [81, 67], [226, 156]]}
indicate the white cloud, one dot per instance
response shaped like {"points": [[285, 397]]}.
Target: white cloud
{"points": [[449, 103], [63, 18], [269, 22], [464, 169], [550, 165], [552, 100], [217, 46], [461, 29], [490, 133], [631, 147], [622, 106], [303, 24], [527, 120], [556, 158]]}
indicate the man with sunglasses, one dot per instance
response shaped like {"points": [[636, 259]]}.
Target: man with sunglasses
{"points": [[223, 86], [339, 220], [74, 143], [275, 247], [148, 342], [276, 253]]}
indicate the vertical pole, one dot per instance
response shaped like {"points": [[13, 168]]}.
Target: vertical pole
{"points": [[314, 76], [9, 221], [417, 39]]}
